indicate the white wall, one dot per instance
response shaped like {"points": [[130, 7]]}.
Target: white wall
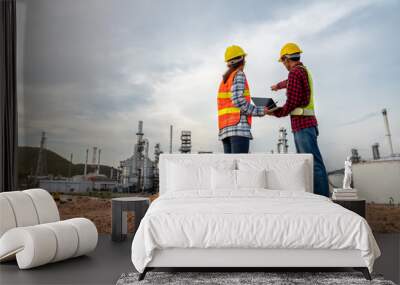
{"points": [[78, 186], [65, 186], [377, 181]]}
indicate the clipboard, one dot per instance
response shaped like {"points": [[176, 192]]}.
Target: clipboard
{"points": [[265, 102]]}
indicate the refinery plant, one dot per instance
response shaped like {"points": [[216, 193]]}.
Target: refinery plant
{"points": [[136, 174], [377, 178]]}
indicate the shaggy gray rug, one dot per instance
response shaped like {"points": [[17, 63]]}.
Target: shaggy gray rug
{"points": [[231, 278]]}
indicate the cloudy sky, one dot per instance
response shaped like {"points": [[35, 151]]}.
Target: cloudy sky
{"points": [[90, 69]]}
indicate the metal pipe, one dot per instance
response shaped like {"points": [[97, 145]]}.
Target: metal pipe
{"points": [[388, 135]]}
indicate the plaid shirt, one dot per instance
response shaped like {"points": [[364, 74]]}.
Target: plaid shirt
{"points": [[298, 95], [242, 129]]}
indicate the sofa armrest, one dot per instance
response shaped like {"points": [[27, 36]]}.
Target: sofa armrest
{"points": [[41, 244]]}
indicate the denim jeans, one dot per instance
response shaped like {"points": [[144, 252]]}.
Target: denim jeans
{"points": [[236, 144], [306, 142]]}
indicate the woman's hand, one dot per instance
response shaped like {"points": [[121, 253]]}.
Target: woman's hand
{"points": [[274, 87]]}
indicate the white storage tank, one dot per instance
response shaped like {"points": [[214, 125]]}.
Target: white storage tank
{"points": [[378, 181]]}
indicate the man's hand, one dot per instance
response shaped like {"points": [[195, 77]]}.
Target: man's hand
{"points": [[268, 112], [274, 87]]}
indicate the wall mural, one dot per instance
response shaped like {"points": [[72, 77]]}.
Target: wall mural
{"points": [[103, 96]]}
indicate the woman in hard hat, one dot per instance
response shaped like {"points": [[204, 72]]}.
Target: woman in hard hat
{"points": [[234, 108]]}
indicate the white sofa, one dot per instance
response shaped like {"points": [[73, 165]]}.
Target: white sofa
{"points": [[31, 230]]}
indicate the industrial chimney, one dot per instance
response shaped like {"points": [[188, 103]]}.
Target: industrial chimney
{"points": [[70, 166], [170, 139], [145, 164], [41, 167], [388, 135], [94, 155], [98, 163], [86, 162], [140, 131]]}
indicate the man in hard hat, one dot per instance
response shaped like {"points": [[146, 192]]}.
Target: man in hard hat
{"points": [[300, 106], [235, 110]]}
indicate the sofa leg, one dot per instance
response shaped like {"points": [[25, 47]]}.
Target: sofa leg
{"points": [[364, 271], [143, 274]]}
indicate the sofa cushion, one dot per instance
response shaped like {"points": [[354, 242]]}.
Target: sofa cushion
{"points": [[46, 207], [41, 244], [87, 233], [23, 208], [7, 220], [32, 246], [67, 240]]}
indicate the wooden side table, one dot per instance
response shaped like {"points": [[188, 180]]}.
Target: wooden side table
{"points": [[357, 206], [120, 207]]}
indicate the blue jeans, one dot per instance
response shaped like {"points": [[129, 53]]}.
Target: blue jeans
{"points": [[236, 144], [306, 142]]}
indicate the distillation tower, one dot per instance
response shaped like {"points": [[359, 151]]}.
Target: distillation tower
{"points": [[186, 142]]}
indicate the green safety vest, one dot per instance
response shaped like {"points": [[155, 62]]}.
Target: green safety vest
{"points": [[309, 109]]}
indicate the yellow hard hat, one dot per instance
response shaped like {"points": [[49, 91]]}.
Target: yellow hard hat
{"points": [[289, 48], [233, 51]]}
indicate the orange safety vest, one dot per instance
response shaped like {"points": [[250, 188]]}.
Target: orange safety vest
{"points": [[228, 113]]}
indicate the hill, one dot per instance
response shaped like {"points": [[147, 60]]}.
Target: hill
{"points": [[56, 164]]}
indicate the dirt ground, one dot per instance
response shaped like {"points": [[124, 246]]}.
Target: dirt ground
{"points": [[384, 218], [95, 209], [381, 218]]}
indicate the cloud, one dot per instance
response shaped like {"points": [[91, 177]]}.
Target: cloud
{"points": [[359, 120]]}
